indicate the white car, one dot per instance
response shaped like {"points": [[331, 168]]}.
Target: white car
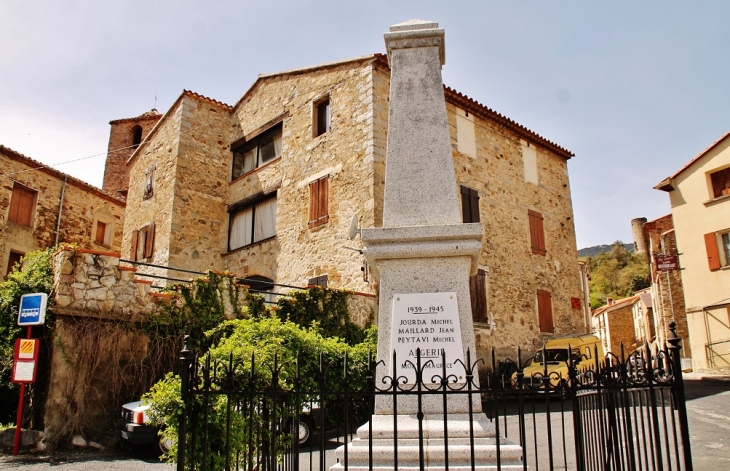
{"points": [[134, 427]]}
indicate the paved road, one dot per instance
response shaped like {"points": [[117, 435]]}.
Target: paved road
{"points": [[708, 407]]}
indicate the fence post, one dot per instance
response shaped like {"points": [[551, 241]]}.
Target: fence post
{"points": [[678, 385], [577, 420], [185, 363]]}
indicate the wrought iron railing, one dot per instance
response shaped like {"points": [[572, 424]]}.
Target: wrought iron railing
{"points": [[626, 412]]}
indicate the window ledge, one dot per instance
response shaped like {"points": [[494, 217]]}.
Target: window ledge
{"points": [[259, 242], [251, 172], [716, 200]]}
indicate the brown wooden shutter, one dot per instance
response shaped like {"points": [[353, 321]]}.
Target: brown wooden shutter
{"points": [[469, 204], [100, 232], [319, 202], [478, 294], [149, 240], [21, 205], [545, 311], [133, 251], [713, 255], [537, 233]]}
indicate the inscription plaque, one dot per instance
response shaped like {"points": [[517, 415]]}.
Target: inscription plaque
{"points": [[429, 321]]}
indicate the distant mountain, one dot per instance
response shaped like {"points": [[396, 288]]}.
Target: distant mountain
{"points": [[596, 249]]}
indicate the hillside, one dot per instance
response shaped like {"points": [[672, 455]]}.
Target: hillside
{"points": [[596, 249]]}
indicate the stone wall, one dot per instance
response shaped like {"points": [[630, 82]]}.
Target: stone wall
{"points": [[513, 170], [83, 205], [116, 172], [621, 323], [345, 154], [514, 274], [667, 289]]}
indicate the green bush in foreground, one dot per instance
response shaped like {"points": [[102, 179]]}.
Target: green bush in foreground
{"points": [[263, 339]]}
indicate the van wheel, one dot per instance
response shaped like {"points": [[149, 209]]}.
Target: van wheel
{"points": [[304, 432]]}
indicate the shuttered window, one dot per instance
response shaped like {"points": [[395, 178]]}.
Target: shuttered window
{"points": [[545, 311], [537, 233], [100, 233], [478, 293], [319, 202], [143, 242], [320, 281], [721, 183], [469, 204], [21, 205], [713, 255]]}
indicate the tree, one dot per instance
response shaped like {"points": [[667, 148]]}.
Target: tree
{"points": [[616, 274]]}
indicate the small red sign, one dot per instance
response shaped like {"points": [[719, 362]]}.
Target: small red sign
{"points": [[575, 302], [666, 262], [25, 360]]}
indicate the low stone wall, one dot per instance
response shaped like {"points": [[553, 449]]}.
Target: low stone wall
{"points": [[89, 283], [363, 308]]}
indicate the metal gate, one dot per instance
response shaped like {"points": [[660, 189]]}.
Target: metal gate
{"points": [[626, 413]]}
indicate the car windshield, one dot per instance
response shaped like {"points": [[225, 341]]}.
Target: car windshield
{"points": [[553, 355]]}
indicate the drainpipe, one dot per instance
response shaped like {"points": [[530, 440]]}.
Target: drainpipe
{"points": [[60, 210]]}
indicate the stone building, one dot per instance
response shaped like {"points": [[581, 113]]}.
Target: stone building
{"points": [[268, 189], [699, 194], [666, 284], [614, 325], [125, 136], [41, 207]]}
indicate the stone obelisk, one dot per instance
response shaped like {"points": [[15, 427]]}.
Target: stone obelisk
{"points": [[424, 255]]}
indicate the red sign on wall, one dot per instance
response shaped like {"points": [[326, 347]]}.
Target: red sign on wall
{"points": [[666, 262], [25, 360], [575, 303]]}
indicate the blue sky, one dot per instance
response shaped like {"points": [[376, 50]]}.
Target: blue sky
{"points": [[634, 89]]}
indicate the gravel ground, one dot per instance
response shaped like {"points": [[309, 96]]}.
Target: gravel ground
{"points": [[85, 461]]}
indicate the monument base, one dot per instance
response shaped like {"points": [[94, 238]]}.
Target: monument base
{"points": [[465, 433]]}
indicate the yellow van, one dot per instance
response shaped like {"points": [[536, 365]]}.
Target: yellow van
{"points": [[557, 350]]}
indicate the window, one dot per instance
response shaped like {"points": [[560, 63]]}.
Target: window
{"points": [[13, 259], [478, 293], [257, 151], [545, 311], [320, 281], [252, 224], [720, 183], [261, 285], [149, 182], [136, 136], [143, 242], [103, 233], [321, 123], [537, 233], [469, 204], [717, 245], [319, 202], [22, 202]]}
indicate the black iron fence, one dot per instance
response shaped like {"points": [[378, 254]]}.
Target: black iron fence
{"points": [[626, 412]]}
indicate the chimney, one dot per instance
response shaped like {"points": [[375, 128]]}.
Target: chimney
{"points": [[609, 301]]}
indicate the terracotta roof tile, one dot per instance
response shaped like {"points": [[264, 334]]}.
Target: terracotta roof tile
{"points": [[452, 96], [209, 100]]}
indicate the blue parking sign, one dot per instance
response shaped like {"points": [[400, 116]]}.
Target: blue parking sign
{"points": [[32, 309]]}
